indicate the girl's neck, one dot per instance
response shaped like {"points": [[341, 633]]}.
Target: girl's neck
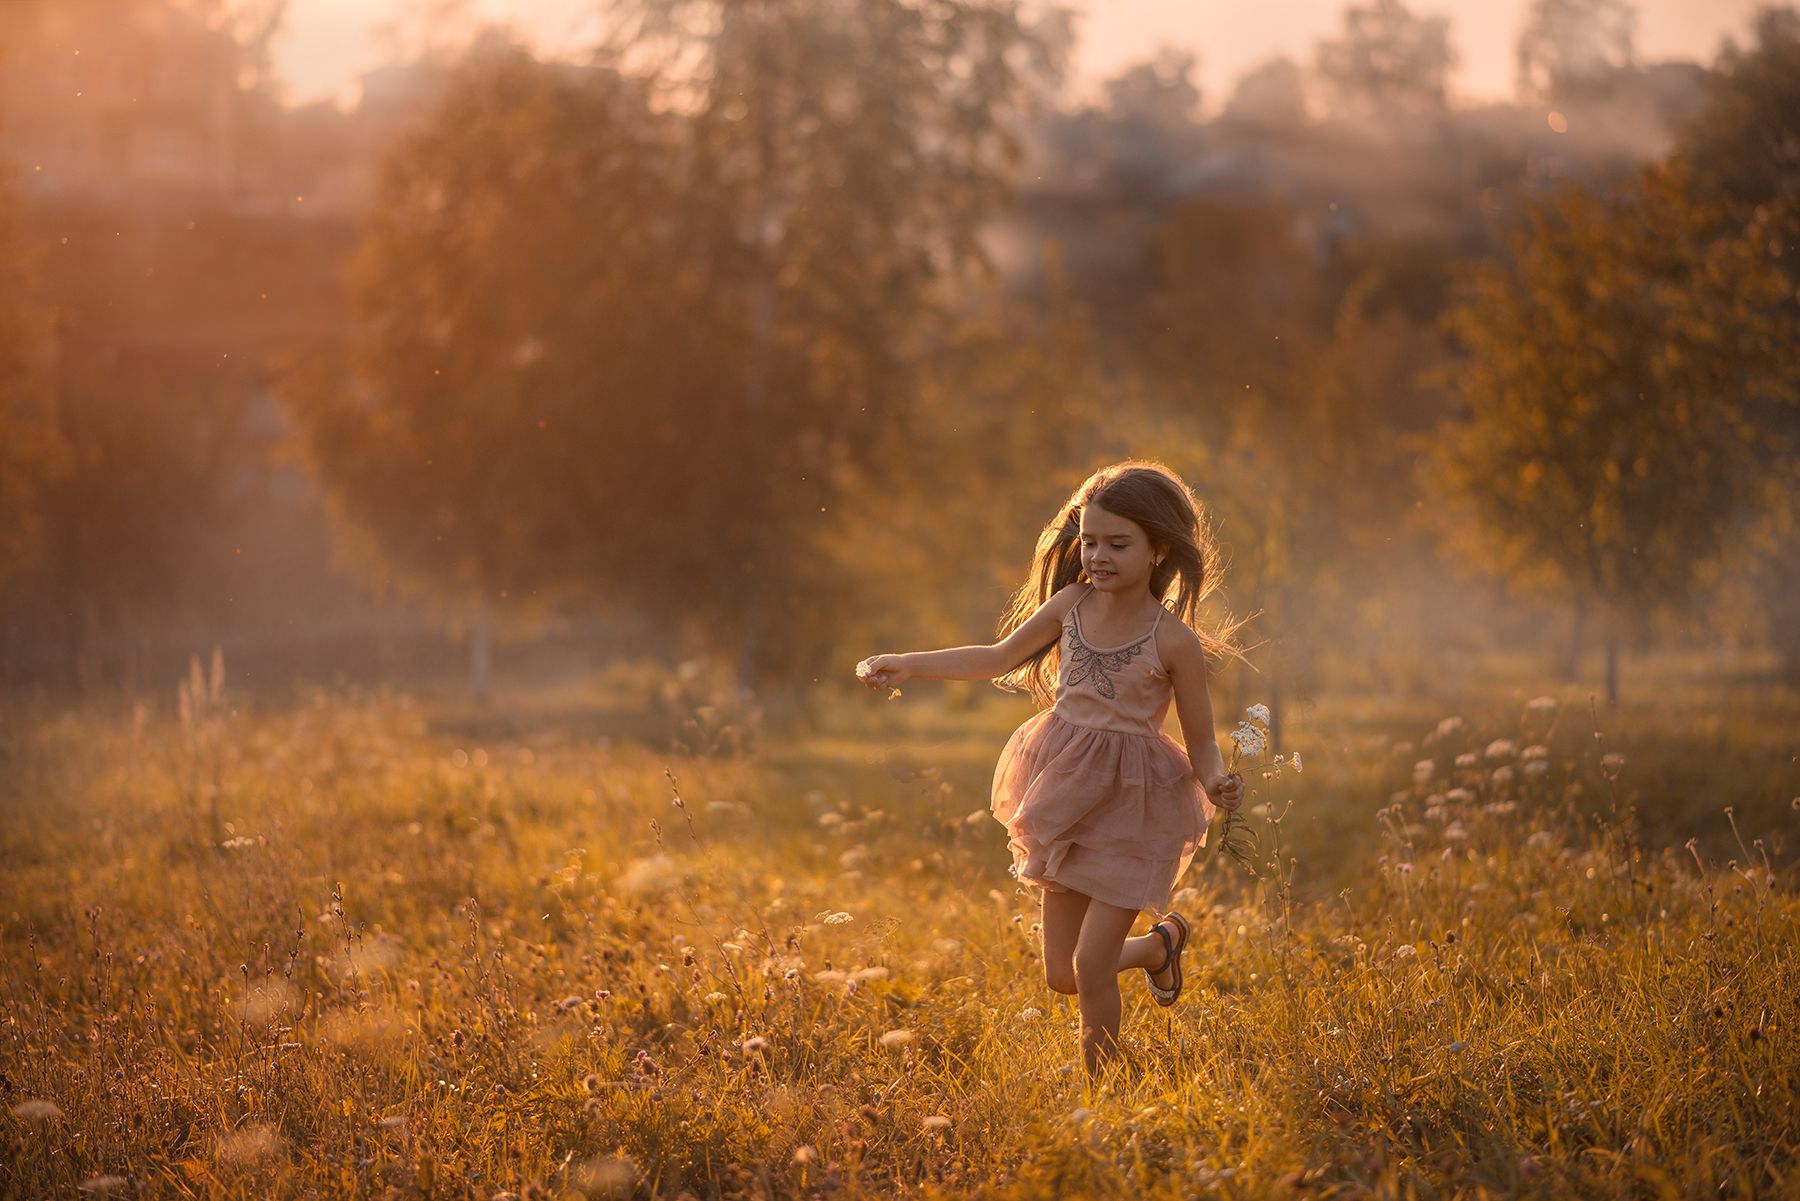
{"points": [[1120, 605]]}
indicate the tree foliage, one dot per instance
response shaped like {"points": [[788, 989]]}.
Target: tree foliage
{"points": [[505, 422], [1746, 141], [1744, 147], [843, 161], [622, 336], [1574, 49], [1612, 369], [29, 450], [1388, 59]]}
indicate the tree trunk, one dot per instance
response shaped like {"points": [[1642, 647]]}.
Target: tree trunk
{"points": [[1568, 670], [764, 234], [1612, 668], [481, 649]]}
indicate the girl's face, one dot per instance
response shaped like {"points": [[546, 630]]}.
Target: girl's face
{"points": [[1115, 551]]}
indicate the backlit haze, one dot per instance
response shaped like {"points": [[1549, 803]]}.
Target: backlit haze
{"points": [[326, 44]]}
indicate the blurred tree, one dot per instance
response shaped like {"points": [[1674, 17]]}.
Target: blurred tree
{"points": [[1388, 60], [1746, 141], [842, 162], [1309, 392], [1007, 420], [29, 451], [1271, 94], [134, 116], [1235, 297], [1159, 93], [532, 359], [1745, 146], [1611, 372], [1572, 50]]}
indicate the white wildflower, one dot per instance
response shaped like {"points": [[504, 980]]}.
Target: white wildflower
{"points": [[1501, 748], [936, 1121], [1249, 739], [1405, 951], [1259, 713], [37, 1110], [1296, 760], [1423, 770], [838, 918], [896, 1038], [1537, 768], [1030, 1013]]}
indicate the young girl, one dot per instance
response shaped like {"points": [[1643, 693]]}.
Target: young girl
{"points": [[1102, 809]]}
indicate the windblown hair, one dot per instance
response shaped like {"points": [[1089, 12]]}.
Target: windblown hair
{"points": [[1156, 499]]}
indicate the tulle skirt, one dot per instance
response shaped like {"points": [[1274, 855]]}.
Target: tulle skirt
{"points": [[1116, 816]]}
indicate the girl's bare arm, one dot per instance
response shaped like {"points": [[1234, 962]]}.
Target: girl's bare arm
{"points": [[1186, 663], [974, 662]]}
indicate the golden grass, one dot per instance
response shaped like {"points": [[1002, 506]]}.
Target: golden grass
{"points": [[328, 951]]}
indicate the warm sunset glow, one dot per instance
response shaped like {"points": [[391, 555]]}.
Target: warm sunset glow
{"points": [[846, 599]]}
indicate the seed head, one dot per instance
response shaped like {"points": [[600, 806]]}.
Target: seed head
{"points": [[37, 1111]]}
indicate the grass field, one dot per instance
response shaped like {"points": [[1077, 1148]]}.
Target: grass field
{"points": [[357, 944]]}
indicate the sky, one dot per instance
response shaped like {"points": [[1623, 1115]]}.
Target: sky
{"points": [[326, 44]]}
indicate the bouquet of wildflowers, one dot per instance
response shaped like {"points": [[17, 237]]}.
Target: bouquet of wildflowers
{"points": [[1233, 832]]}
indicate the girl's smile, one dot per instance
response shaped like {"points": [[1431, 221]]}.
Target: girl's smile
{"points": [[1115, 552]]}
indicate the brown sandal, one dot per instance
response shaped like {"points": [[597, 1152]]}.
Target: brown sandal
{"points": [[1171, 962]]}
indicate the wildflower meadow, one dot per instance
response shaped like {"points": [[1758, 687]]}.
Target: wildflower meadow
{"points": [[358, 943]]}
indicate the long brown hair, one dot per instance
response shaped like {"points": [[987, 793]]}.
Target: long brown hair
{"points": [[1155, 498]]}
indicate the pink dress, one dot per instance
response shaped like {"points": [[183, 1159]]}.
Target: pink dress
{"points": [[1095, 797]]}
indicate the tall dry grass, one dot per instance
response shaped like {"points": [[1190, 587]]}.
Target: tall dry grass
{"points": [[328, 950]]}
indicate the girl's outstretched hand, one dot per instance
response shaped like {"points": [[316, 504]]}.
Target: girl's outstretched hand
{"points": [[1227, 792], [883, 671]]}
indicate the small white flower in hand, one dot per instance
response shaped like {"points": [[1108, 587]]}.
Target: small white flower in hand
{"points": [[879, 677]]}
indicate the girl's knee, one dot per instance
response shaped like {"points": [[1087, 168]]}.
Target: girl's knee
{"points": [[1060, 978], [1094, 970]]}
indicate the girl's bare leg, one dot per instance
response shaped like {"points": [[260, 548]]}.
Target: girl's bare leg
{"points": [[1147, 950], [1063, 912], [1101, 953]]}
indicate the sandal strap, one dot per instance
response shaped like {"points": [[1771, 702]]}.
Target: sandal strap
{"points": [[1168, 952]]}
